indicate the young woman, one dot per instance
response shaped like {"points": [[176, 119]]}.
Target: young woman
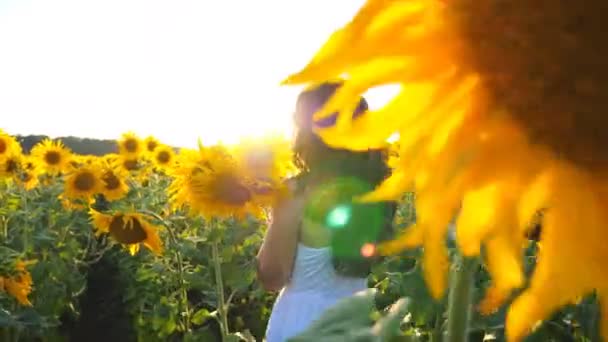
{"points": [[317, 248]]}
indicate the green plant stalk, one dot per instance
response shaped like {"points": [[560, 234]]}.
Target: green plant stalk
{"points": [[219, 289], [180, 270], [460, 297], [436, 333]]}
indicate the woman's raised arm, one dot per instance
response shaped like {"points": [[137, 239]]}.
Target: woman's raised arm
{"points": [[276, 255]]}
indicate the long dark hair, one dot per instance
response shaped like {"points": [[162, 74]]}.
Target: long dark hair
{"points": [[336, 176]]}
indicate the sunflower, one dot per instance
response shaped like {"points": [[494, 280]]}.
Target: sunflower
{"points": [[52, 157], [163, 157], [8, 145], [83, 183], [212, 184], [151, 143], [500, 114], [20, 285], [10, 165], [130, 146], [129, 229], [28, 178], [129, 164], [114, 182]]}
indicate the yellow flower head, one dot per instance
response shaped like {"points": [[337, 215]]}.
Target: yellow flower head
{"points": [[151, 143], [83, 183], [8, 145], [10, 165], [212, 184], [52, 157], [129, 229], [20, 285], [130, 146], [28, 178], [499, 115], [163, 157], [129, 164], [114, 180]]}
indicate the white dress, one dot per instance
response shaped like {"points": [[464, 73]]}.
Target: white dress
{"points": [[313, 288]]}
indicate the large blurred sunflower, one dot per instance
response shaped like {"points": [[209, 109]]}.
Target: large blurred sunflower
{"points": [[83, 183], [130, 145], [212, 184], [19, 285], [129, 229], [501, 113], [51, 157]]}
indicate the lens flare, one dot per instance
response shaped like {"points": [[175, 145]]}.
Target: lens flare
{"points": [[368, 250], [339, 216]]}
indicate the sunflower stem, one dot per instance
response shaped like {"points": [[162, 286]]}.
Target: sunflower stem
{"points": [[219, 289], [460, 298], [180, 268], [436, 333]]}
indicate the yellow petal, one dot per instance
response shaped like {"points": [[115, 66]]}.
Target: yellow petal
{"points": [[390, 189], [412, 237]]}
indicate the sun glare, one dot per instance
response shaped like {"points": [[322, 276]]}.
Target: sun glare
{"points": [[176, 70]]}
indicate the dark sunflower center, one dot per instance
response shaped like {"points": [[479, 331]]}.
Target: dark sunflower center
{"points": [[52, 157], [130, 164], [3, 146], [151, 145], [163, 157], [126, 232], [545, 61], [27, 176], [230, 190], [131, 145], [84, 181], [111, 181], [11, 166]]}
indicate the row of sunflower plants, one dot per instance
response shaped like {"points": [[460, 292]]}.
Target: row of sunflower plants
{"points": [[198, 214]]}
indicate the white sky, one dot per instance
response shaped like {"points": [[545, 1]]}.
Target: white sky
{"points": [[179, 69]]}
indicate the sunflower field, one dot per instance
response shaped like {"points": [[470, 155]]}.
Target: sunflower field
{"points": [[499, 166], [157, 244]]}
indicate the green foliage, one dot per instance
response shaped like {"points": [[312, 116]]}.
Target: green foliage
{"points": [[88, 287]]}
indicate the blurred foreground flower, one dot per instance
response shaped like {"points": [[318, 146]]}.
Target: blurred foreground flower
{"points": [[501, 113], [129, 229]]}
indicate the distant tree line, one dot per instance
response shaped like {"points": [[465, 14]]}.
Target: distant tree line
{"points": [[84, 146]]}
